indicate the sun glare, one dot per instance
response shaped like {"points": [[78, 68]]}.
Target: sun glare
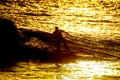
{"points": [[91, 69]]}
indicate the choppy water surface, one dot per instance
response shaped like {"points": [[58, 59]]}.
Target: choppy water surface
{"points": [[81, 70], [95, 29]]}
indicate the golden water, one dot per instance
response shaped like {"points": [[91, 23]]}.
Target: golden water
{"points": [[94, 17], [99, 19], [81, 70]]}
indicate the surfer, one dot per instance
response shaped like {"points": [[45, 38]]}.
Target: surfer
{"points": [[57, 34]]}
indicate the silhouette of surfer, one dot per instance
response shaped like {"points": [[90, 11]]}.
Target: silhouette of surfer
{"points": [[57, 34]]}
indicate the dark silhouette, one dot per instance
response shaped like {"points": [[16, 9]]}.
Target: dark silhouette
{"points": [[27, 34], [12, 50], [57, 34], [9, 40], [9, 35]]}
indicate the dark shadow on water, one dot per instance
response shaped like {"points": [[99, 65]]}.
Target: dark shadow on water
{"points": [[27, 34], [109, 43], [45, 54], [3, 1], [9, 40], [9, 43]]}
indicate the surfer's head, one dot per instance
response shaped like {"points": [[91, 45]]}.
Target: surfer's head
{"points": [[56, 28]]}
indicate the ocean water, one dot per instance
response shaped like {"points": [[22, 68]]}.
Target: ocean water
{"points": [[94, 28]]}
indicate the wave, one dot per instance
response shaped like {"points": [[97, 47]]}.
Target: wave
{"points": [[103, 49]]}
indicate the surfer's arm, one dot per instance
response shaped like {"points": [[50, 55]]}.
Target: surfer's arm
{"points": [[66, 33]]}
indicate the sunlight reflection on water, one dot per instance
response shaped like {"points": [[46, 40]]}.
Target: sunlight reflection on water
{"points": [[98, 18], [93, 18], [81, 70]]}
